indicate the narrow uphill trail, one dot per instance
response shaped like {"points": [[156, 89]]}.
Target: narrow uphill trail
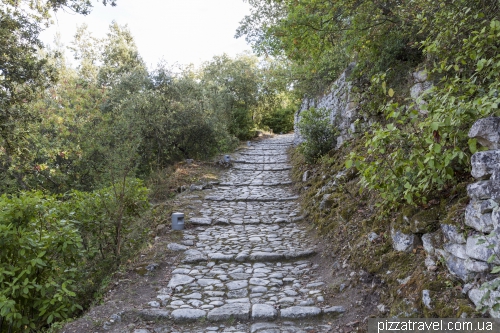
{"points": [[245, 263], [245, 266]]}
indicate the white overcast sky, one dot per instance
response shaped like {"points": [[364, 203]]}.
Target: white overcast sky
{"points": [[177, 31]]}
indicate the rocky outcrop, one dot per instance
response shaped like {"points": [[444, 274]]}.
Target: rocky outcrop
{"points": [[341, 104]]}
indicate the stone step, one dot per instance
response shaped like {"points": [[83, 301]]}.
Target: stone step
{"points": [[257, 183], [216, 220], [241, 176], [261, 167], [246, 291], [257, 162], [250, 199], [246, 259]]}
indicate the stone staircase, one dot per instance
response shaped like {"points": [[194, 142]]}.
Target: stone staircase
{"points": [[247, 265]]}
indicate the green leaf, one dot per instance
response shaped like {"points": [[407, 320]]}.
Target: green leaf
{"points": [[391, 92], [495, 270], [473, 145], [435, 125]]}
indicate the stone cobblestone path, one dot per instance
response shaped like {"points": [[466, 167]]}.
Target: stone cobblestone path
{"points": [[246, 265]]}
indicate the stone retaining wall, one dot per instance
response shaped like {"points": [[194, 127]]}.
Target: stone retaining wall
{"points": [[341, 104], [469, 253]]}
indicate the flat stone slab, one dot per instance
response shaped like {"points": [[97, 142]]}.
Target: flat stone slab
{"points": [[176, 247], [264, 312], [200, 221], [179, 279], [334, 310], [238, 311], [265, 328], [154, 314], [300, 312], [188, 315]]}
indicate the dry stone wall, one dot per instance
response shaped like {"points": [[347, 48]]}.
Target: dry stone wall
{"points": [[341, 103], [469, 253]]}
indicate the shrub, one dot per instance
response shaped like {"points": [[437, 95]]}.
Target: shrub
{"points": [[280, 120], [39, 262], [319, 134]]}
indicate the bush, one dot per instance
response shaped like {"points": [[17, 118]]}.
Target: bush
{"points": [[56, 253], [39, 261], [319, 134], [280, 120]]}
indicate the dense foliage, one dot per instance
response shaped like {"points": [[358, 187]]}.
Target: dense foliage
{"points": [[413, 148]]}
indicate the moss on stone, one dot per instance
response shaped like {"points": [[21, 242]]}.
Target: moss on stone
{"points": [[426, 220]]}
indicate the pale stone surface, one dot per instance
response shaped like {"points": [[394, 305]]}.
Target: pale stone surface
{"points": [[239, 311], [251, 259], [452, 234], [432, 240], [487, 132], [187, 315], [176, 247], [482, 248], [403, 242], [298, 312], [484, 163], [179, 279], [426, 298], [263, 312], [480, 190], [455, 265]]}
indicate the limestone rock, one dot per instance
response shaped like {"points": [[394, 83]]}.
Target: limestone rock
{"points": [[451, 234], [487, 132], [477, 296], [484, 163], [456, 266], [431, 241], [238, 311], [300, 312], [179, 279], [481, 190], [200, 221], [188, 315], [403, 242], [483, 247], [426, 298], [474, 218], [458, 250], [334, 310], [264, 312], [476, 266], [373, 236], [176, 247], [305, 176]]}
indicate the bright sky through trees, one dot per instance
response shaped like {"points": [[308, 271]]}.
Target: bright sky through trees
{"points": [[182, 31]]}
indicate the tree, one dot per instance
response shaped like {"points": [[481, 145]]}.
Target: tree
{"points": [[24, 73], [231, 89]]}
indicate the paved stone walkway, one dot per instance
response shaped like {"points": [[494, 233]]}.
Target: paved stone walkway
{"points": [[246, 265]]}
